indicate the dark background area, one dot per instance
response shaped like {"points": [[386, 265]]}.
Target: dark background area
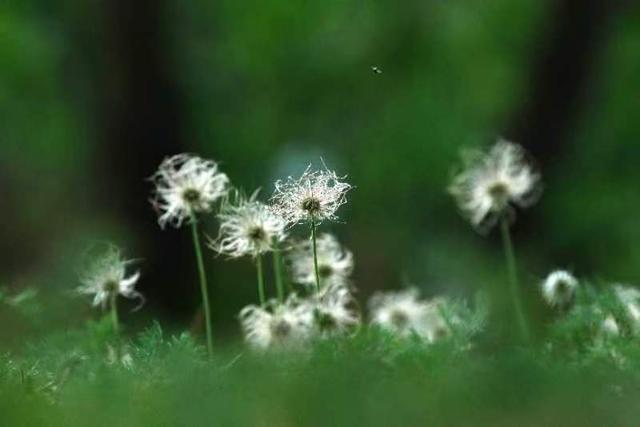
{"points": [[93, 94]]}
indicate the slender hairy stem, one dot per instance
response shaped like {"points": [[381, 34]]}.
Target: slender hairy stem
{"points": [[114, 312], [513, 280], [315, 254], [203, 283], [277, 271], [260, 280]]}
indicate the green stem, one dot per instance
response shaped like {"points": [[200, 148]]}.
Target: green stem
{"points": [[277, 271], [114, 312], [315, 254], [513, 280], [260, 280], [203, 283]]}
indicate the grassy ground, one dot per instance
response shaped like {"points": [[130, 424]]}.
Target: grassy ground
{"points": [[371, 379]]}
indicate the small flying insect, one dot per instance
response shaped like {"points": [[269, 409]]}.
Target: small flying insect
{"points": [[376, 70]]}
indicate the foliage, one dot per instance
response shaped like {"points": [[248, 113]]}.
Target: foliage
{"points": [[573, 377]]}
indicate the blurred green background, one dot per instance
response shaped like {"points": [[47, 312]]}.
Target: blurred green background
{"points": [[93, 94]]}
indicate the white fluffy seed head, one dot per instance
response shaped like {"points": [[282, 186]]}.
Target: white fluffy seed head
{"points": [[559, 288], [492, 182], [629, 297], [436, 327], [335, 264], [247, 227], [185, 185], [105, 277], [276, 326], [332, 312], [609, 327], [404, 314], [314, 196], [398, 312]]}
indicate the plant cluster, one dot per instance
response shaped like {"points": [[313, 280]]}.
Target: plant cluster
{"points": [[314, 311]]}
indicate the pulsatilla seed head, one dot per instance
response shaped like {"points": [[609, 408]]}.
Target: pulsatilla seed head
{"points": [[105, 276], [311, 205], [281, 328], [325, 321], [491, 182], [399, 319], [403, 313], [559, 288], [257, 233], [191, 195], [499, 192], [110, 286], [247, 228], [185, 185], [314, 196], [325, 271], [276, 325], [335, 263]]}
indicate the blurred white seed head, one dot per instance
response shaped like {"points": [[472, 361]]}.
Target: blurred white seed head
{"points": [[332, 312], [316, 195], [247, 228], [559, 288], [105, 277], [335, 264], [399, 312], [436, 326], [492, 182], [629, 297], [609, 327], [282, 326], [186, 184], [404, 314], [626, 294]]}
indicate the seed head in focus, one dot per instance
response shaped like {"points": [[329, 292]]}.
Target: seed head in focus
{"points": [[314, 196], [185, 185]]}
